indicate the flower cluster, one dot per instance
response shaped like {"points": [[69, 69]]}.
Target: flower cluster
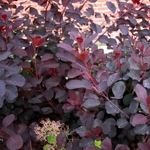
{"points": [[48, 128]]}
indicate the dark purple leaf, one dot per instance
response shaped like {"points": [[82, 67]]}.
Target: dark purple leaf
{"points": [[107, 125], [144, 145], [90, 39], [139, 119], [16, 79], [35, 81], [111, 65], [97, 15], [112, 79], [46, 57], [47, 65], [124, 29], [4, 55], [141, 129], [21, 128], [112, 42], [65, 2], [90, 103], [122, 147], [121, 5], [19, 52], [48, 94], [61, 140], [46, 110], [60, 93], [11, 93], [146, 83], [144, 108], [30, 51], [33, 11], [113, 132], [75, 84], [17, 23], [102, 86], [11, 67], [95, 27], [133, 64], [118, 89], [133, 107], [66, 56], [68, 107], [51, 64], [106, 144], [18, 9], [85, 142], [81, 131], [8, 120], [51, 82], [135, 75], [106, 18], [15, 142], [134, 57], [100, 115], [2, 88], [110, 108], [34, 100], [122, 122], [90, 11], [141, 93], [74, 73], [65, 46], [111, 6], [127, 99]]}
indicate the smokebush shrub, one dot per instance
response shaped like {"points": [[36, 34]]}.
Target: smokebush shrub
{"points": [[51, 68]]}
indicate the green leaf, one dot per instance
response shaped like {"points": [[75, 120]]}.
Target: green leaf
{"points": [[46, 147], [51, 139], [98, 144]]}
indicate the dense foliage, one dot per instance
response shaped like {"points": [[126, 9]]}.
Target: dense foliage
{"points": [[60, 91]]}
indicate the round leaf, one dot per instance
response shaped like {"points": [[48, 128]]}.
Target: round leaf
{"points": [[141, 93], [127, 99], [90, 103], [15, 142], [122, 147], [111, 109], [118, 89], [111, 6], [11, 93], [139, 119], [16, 79], [8, 120], [121, 123]]}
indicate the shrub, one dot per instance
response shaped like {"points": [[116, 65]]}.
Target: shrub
{"points": [[51, 68]]}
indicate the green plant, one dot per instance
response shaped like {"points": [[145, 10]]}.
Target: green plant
{"points": [[98, 143]]}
